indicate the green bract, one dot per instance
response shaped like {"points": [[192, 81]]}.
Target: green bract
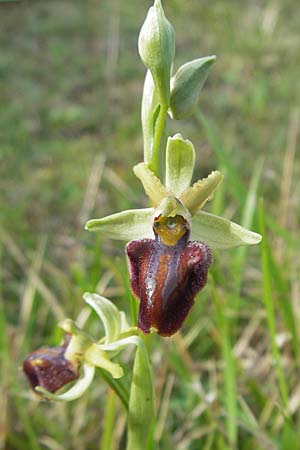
{"points": [[157, 49], [150, 106], [177, 197], [186, 85]]}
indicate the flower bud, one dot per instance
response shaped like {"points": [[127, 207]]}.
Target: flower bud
{"points": [[186, 85], [157, 49]]}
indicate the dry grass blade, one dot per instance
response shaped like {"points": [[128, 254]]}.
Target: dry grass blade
{"points": [[92, 188], [113, 178], [287, 177], [22, 261], [164, 407], [30, 288]]}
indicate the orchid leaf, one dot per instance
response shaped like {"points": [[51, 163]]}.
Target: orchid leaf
{"points": [[124, 226], [218, 232], [180, 160], [154, 189], [141, 411], [195, 197], [108, 313]]}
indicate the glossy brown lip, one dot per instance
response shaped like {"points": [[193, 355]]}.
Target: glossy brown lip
{"points": [[48, 368], [166, 280]]}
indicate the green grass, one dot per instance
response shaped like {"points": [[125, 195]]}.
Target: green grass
{"points": [[70, 90]]}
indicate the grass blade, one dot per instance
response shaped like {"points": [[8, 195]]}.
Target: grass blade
{"points": [[270, 309], [229, 368]]}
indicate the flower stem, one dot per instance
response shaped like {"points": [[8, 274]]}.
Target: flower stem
{"points": [[158, 134]]}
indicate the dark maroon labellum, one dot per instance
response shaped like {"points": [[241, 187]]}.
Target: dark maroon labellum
{"points": [[166, 279], [48, 368]]}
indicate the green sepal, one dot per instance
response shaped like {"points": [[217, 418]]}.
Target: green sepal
{"points": [[154, 189], [157, 49], [186, 85], [124, 226], [195, 197], [180, 161], [221, 233]]}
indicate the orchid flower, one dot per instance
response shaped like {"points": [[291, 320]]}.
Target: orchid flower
{"points": [[50, 369], [167, 269]]}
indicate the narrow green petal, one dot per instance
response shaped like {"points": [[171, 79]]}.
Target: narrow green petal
{"points": [[180, 162], [195, 197], [108, 313], [76, 391], [97, 357], [218, 232], [124, 226], [120, 344], [154, 189]]}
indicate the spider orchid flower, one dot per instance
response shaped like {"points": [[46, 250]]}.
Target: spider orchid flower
{"points": [[168, 269], [50, 369]]}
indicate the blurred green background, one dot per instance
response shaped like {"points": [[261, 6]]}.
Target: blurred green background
{"points": [[70, 92]]}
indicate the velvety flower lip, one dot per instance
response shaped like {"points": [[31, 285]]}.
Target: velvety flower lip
{"points": [[48, 368], [166, 279]]}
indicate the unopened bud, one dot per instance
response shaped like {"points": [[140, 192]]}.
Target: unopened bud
{"points": [[157, 49]]}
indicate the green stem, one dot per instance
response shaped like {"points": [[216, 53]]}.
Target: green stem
{"points": [[158, 134]]}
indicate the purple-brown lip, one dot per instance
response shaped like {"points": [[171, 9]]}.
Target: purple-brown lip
{"points": [[166, 279], [48, 368]]}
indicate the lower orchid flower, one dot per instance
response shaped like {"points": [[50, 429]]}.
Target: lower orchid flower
{"points": [[50, 369], [167, 270]]}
